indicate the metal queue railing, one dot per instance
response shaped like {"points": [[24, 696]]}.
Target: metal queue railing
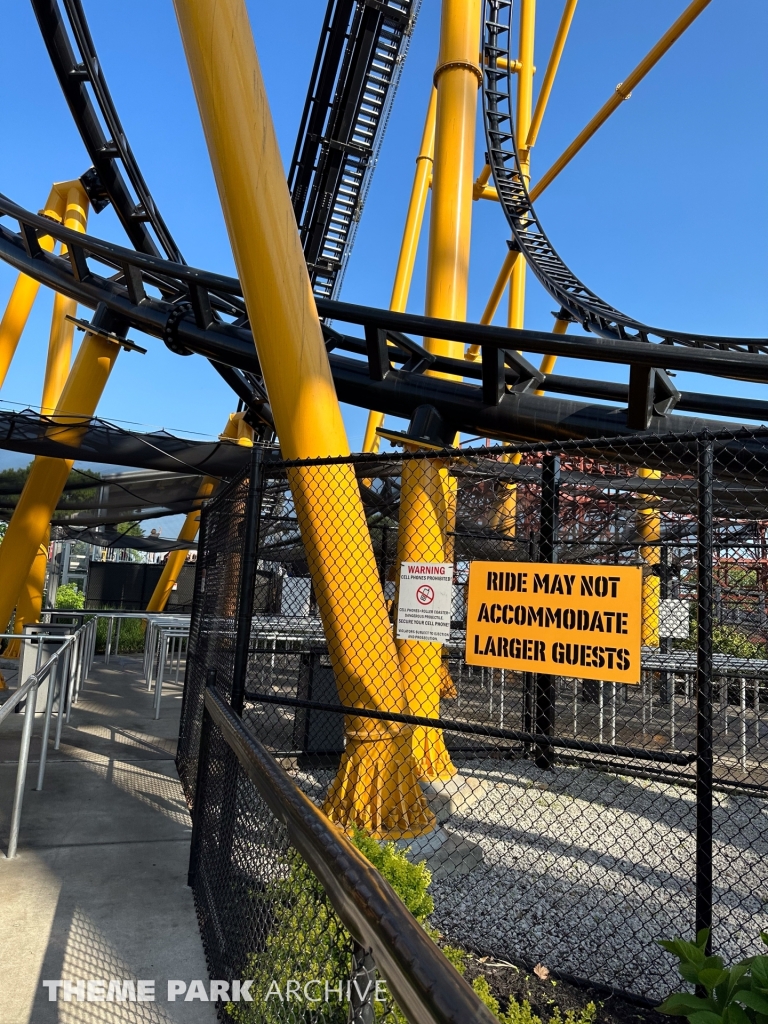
{"points": [[65, 671]]}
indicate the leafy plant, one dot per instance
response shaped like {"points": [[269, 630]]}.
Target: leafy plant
{"points": [[132, 635], [735, 995], [307, 940], [521, 1013], [69, 597]]}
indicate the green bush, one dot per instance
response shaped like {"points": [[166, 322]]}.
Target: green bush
{"points": [[307, 940], [132, 633], [69, 597], [736, 995], [521, 1013]]}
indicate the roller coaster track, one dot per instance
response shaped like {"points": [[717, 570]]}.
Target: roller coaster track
{"points": [[362, 49], [356, 72], [205, 313], [386, 369], [578, 301]]}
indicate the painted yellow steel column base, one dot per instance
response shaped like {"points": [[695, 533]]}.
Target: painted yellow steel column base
{"points": [[376, 787], [424, 490], [31, 600], [447, 685]]}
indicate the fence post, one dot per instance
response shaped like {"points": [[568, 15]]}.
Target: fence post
{"points": [[203, 757], [247, 578], [704, 820], [544, 717], [362, 986]]}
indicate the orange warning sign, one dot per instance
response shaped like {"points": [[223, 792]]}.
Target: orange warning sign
{"points": [[560, 620]]}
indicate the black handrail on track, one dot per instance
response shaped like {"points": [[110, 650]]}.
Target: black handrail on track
{"points": [[427, 987], [576, 300], [354, 79]]}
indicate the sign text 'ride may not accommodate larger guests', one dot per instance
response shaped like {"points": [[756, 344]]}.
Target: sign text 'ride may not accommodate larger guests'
{"points": [[560, 620]]}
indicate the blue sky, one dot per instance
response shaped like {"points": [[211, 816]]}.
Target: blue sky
{"points": [[664, 213]]}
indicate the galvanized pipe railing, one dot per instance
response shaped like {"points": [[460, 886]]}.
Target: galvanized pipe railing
{"points": [[66, 671]]}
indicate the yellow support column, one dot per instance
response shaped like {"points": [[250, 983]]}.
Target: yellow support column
{"points": [[458, 78], [62, 330], [31, 599], [425, 518], [649, 529], [421, 538], [410, 244], [24, 293], [48, 476], [74, 202], [376, 787], [524, 107], [236, 430]]}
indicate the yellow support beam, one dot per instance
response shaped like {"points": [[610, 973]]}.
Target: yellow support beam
{"points": [[425, 516], [421, 538], [549, 75], [649, 529], [237, 430], [410, 243], [31, 598], [548, 362], [62, 329], [376, 787], [25, 292], [45, 483], [457, 77], [516, 310], [623, 92]]}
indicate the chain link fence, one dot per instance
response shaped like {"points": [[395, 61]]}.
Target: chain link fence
{"points": [[566, 820]]}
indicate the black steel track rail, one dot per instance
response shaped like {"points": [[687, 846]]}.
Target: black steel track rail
{"points": [[578, 301], [173, 302], [85, 89], [82, 81], [354, 79]]}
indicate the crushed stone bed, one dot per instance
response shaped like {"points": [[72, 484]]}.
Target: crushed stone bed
{"points": [[584, 872]]}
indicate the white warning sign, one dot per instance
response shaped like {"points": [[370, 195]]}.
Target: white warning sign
{"points": [[424, 601]]}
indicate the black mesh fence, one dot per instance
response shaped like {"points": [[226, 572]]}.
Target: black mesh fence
{"points": [[581, 757]]}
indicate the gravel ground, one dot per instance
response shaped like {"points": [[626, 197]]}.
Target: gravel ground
{"points": [[584, 871]]}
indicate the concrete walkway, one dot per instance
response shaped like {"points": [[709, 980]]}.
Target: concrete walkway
{"points": [[98, 889]]}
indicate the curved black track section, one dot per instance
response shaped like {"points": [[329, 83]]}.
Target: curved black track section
{"points": [[354, 79], [124, 289], [102, 133], [574, 297]]}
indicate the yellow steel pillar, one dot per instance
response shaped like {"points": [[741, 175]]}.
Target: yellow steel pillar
{"points": [[427, 507], [48, 476], [649, 529], [376, 787], [458, 78], [236, 430], [72, 198], [62, 330], [173, 565], [421, 538], [410, 244], [31, 598], [24, 293], [524, 108]]}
